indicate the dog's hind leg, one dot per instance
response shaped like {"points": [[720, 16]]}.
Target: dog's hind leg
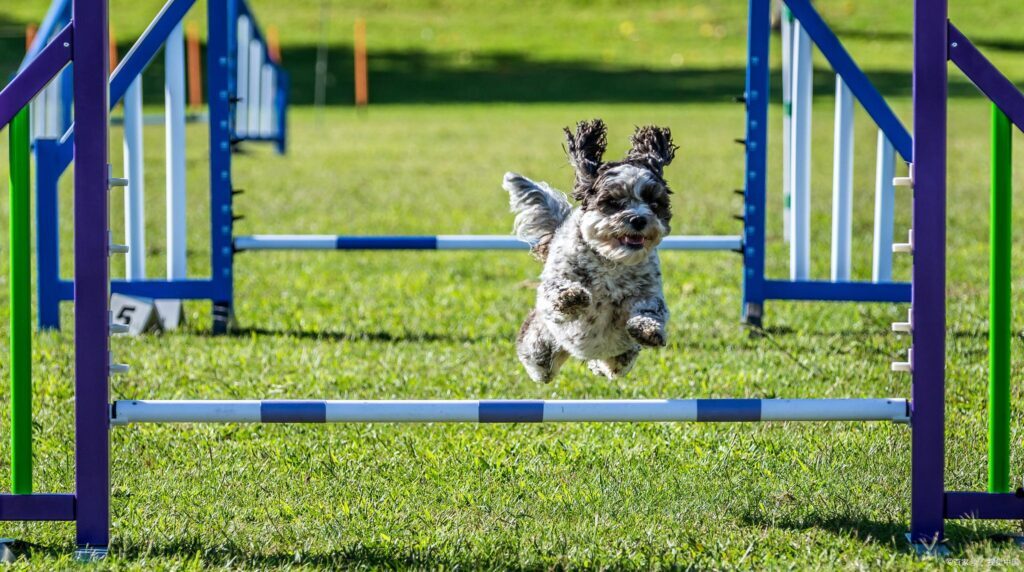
{"points": [[617, 366], [539, 353]]}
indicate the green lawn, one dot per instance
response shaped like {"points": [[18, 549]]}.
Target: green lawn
{"points": [[463, 91]]}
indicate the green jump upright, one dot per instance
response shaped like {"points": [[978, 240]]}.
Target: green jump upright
{"points": [[999, 333], [21, 307]]}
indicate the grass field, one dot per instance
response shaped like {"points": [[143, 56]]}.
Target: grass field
{"points": [[463, 91]]}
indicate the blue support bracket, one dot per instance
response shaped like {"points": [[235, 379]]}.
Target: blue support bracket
{"points": [[852, 75], [837, 291], [146, 48]]}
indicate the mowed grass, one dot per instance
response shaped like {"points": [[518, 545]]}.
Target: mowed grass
{"points": [[442, 326]]}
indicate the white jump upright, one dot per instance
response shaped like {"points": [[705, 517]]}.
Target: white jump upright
{"points": [[842, 183], [174, 89], [800, 160], [44, 113], [242, 81], [787, 117], [267, 83], [134, 191], [255, 73], [881, 268]]}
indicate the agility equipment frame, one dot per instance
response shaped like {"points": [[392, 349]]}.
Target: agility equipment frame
{"points": [[936, 41]]}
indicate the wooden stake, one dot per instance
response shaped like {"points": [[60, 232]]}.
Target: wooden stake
{"points": [[273, 44], [194, 64], [30, 35], [113, 50], [362, 90]]}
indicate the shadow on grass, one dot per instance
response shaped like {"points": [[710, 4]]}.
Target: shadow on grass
{"points": [[908, 37], [233, 556], [357, 555], [888, 533], [864, 530], [413, 76], [363, 336]]}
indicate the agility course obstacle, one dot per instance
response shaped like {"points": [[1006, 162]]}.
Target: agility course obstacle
{"points": [[263, 97], [936, 41], [252, 102], [1000, 308], [804, 29], [445, 242], [509, 411]]}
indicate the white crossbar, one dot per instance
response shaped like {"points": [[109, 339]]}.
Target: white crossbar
{"points": [[508, 411], [444, 242]]}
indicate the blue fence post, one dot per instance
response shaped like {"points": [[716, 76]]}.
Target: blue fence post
{"points": [[281, 103], [754, 199], [219, 56], [47, 174]]}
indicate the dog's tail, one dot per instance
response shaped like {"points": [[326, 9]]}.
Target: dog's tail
{"points": [[539, 211]]}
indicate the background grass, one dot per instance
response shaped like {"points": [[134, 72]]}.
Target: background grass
{"points": [[462, 91]]}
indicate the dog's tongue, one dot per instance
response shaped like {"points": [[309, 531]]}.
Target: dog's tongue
{"points": [[633, 240]]}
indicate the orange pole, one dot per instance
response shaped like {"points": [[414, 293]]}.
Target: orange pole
{"points": [[195, 74], [30, 35], [113, 50], [362, 91], [273, 44]]}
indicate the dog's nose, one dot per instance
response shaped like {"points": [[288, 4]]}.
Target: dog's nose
{"points": [[637, 222]]}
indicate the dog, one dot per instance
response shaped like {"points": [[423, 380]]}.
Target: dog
{"points": [[600, 298]]}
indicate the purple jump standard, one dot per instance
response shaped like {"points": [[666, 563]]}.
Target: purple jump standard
{"points": [[92, 281], [936, 41]]}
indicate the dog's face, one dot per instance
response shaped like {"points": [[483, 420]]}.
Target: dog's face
{"points": [[627, 214], [625, 205]]}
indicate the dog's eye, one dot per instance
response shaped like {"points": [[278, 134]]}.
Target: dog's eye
{"points": [[611, 205], [650, 194]]}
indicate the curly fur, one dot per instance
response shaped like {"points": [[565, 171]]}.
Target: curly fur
{"points": [[600, 297], [539, 211]]}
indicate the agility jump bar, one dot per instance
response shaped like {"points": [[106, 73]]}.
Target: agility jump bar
{"points": [[444, 242], [508, 411]]}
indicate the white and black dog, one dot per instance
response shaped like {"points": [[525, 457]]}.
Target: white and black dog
{"points": [[600, 297]]}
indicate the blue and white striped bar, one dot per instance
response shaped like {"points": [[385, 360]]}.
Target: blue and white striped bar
{"points": [[443, 242], [508, 411]]}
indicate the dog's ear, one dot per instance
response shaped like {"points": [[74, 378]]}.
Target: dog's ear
{"points": [[652, 147], [585, 149]]}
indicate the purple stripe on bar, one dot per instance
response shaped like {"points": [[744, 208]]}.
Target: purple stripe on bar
{"points": [[386, 243], [35, 76], [508, 411], [37, 507], [1006, 506], [274, 411], [989, 80], [728, 410]]}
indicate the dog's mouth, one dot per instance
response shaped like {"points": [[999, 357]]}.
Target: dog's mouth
{"points": [[634, 240]]}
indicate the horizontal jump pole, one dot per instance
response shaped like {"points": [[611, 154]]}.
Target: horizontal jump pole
{"points": [[508, 411], [444, 242]]}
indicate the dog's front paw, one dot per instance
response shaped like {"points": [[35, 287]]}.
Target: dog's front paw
{"points": [[646, 331], [572, 300]]}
